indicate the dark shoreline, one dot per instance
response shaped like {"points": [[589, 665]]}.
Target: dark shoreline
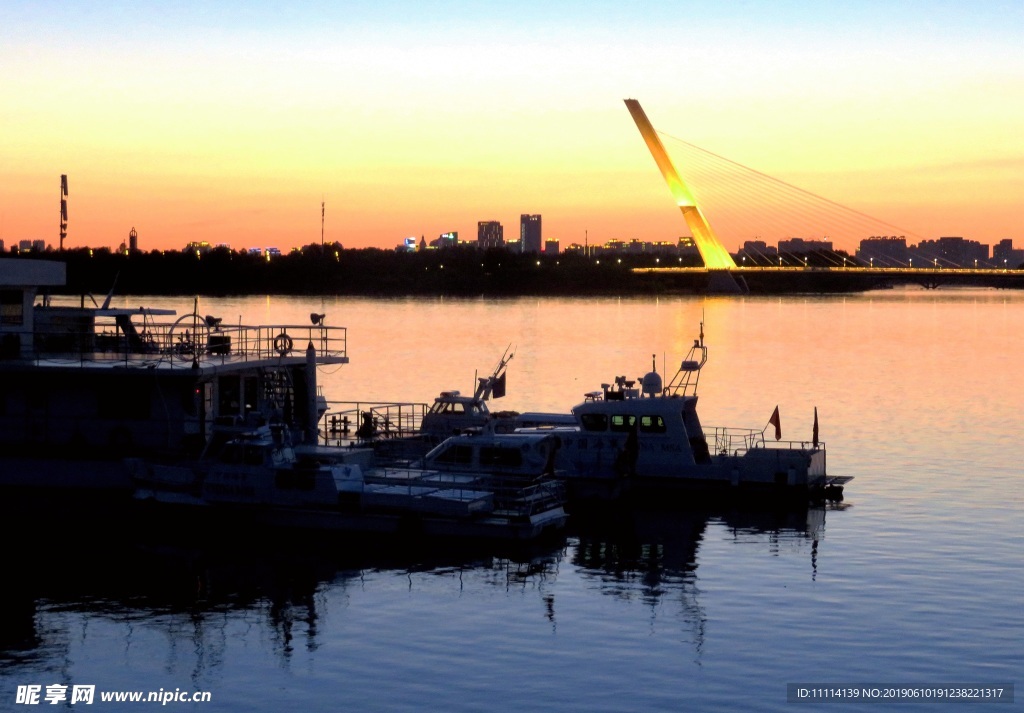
{"points": [[458, 272]]}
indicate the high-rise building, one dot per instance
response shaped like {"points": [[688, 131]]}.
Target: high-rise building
{"points": [[489, 234], [884, 251], [529, 233], [1003, 254]]}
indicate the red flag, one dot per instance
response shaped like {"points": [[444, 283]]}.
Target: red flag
{"points": [[774, 421], [815, 427]]}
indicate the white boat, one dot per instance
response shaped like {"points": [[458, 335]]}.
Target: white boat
{"points": [[85, 385], [453, 413], [495, 487], [649, 440]]}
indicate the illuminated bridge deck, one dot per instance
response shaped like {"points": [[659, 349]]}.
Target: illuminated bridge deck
{"points": [[838, 279]]}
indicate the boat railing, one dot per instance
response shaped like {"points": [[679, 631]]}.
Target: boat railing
{"points": [[737, 441], [686, 378], [347, 422], [513, 494], [186, 341]]}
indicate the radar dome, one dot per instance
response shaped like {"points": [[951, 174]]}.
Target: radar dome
{"points": [[651, 383]]}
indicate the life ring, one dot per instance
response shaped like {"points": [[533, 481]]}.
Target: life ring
{"points": [[282, 343]]}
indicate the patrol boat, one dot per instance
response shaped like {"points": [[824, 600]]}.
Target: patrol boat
{"points": [[650, 441]]}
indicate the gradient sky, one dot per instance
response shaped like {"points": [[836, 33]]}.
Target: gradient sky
{"points": [[231, 121]]}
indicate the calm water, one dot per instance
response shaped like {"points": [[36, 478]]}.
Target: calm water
{"points": [[916, 578]]}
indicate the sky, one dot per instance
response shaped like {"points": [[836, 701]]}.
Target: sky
{"points": [[231, 122]]}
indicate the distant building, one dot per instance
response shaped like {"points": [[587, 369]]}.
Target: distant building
{"points": [[882, 251], [446, 240], [133, 240], [199, 247], [551, 247], [489, 234], [530, 233], [2, 248], [1003, 254], [802, 246], [757, 249], [950, 252], [687, 246]]}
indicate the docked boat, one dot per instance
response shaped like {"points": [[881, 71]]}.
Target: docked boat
{"points": [[647, 439], [402, 430], [494, 487], [87, 385]]}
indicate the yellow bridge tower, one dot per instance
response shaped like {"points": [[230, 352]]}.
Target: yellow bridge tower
{"points": [[714, 254]]}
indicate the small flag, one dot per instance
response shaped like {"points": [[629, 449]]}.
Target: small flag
{"points": [[815, 432], [498, 390], [774, 421]]}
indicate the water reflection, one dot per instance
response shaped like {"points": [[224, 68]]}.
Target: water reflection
{"points": [[109, 562], [107, 581], [650, 555]]}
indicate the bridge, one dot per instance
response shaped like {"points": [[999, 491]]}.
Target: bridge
{"points": [[781, 280], [803, 212]]}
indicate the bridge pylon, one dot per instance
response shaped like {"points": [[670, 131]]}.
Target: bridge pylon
{"points": [[714, 254]]}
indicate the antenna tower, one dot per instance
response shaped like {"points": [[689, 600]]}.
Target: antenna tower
{"points": [[63, 209]]}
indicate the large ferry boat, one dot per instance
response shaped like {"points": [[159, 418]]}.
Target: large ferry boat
{"points": [[86, 385]]}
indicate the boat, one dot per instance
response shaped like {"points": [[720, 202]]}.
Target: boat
{"points": [[405, 431], [498, 486], [453, 413], [647, 440], [86, 385]]}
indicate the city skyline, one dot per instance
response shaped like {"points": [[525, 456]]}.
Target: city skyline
{"points": [[233, 123]]}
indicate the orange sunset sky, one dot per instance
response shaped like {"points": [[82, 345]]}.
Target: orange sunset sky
{"points": [[231, 122]]}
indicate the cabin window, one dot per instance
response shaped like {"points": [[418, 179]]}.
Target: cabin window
{"points": [[622, 423], [594, 421], [652, 424], [250, 391], [12, 308], [501, 457], [229, 396], [461, 455]]}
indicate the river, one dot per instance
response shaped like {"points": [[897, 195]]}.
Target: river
{"points": [[912, 583]]}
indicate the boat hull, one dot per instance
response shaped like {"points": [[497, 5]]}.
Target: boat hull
{"points": [[401, 522]]}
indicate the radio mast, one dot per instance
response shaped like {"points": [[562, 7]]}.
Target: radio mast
{"points": [[63, 209]]}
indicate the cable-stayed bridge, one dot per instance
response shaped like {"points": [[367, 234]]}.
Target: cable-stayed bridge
{"points": [[722, 198]]}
